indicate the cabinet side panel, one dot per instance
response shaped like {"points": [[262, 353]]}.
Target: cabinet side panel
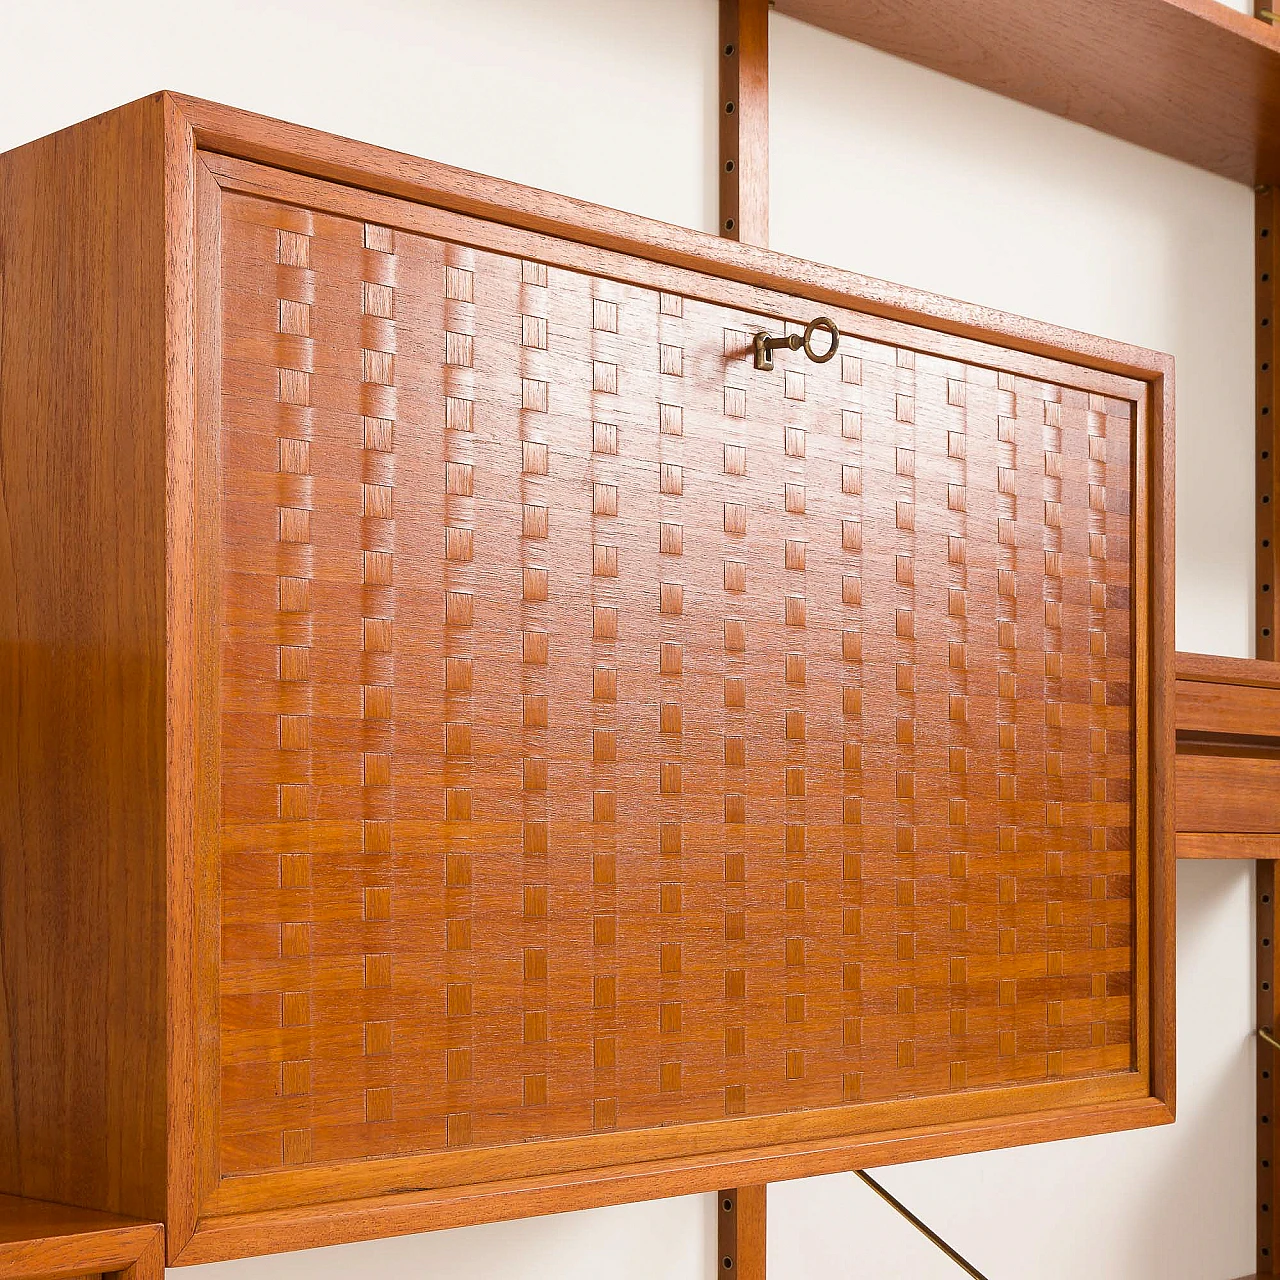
{"points": [[82, 677]]}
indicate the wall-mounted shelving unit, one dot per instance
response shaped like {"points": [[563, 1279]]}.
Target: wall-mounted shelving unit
{"points": [[1190, 79], [1199, 82]]}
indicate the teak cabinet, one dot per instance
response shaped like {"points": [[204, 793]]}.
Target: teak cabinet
{"points": [[473, 745]]}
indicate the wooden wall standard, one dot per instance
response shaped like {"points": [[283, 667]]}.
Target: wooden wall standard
{"points": [[741, 1221], [744, 120], [1228, 729], [744, 216], [1228, 806], [1267, 624]]}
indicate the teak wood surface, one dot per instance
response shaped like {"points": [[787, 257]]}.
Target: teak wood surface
{"points": [[84, 420], [744, 120], [742, 1231], [42, 1241], [1192, 79], [1267, 491], [744, 215], [1228, 770], [574, 766], [1266, 228]]}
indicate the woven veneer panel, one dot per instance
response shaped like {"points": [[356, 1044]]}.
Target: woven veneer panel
{"points": [[615, 736]]}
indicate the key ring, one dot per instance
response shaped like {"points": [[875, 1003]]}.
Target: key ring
{"points": [[828, 325]]}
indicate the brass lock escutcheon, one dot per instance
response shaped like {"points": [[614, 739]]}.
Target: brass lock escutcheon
{"points": [[765, 345]]}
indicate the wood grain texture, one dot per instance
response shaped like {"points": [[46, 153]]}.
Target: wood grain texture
{"points": [[710, 652], [1222, 708], [187, 606], [230, 132], [744, 120], [1226, 791], [1159, 655], [198, 996], [1191, 79], [744, 216], [742, 1232], [82, 699], [1207, 668], [372, 1217], [1266, 494], [585, 768], [1228, 756], [1266, 626], [1217, 844], [453, 281], [148, 1265], [48, 1241], [1268, 1061]]}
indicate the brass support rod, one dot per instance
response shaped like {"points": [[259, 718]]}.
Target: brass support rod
{"points": [[1267, 1038], [932, 1236]]}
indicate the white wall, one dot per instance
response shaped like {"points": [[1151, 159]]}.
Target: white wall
{"points": [[886, 169]]}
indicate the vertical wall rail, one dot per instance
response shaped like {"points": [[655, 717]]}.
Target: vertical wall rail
{"points": [[744, 120], [1268, 1063], [742, 1233], [744, 216], [1267, 232], [1266, 625]]}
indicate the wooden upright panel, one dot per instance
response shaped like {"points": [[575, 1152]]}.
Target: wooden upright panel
{"points": [[82, 690], [1267, 552], [1268, 1062], [742, 1231], [744, 120], [1266, 629]]}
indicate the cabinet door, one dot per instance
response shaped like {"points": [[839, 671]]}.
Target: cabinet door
{"points": [[630, 761]]}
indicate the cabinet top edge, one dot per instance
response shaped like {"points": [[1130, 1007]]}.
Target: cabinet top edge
{"points": [[246, 135], [193, 124]]}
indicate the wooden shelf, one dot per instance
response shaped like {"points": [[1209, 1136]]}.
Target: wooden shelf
{"points": [[1228, 765], [1191, 79], [39, 1238]]}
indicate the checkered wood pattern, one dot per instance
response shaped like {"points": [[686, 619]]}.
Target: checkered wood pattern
{"points": [[615, 736]]}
